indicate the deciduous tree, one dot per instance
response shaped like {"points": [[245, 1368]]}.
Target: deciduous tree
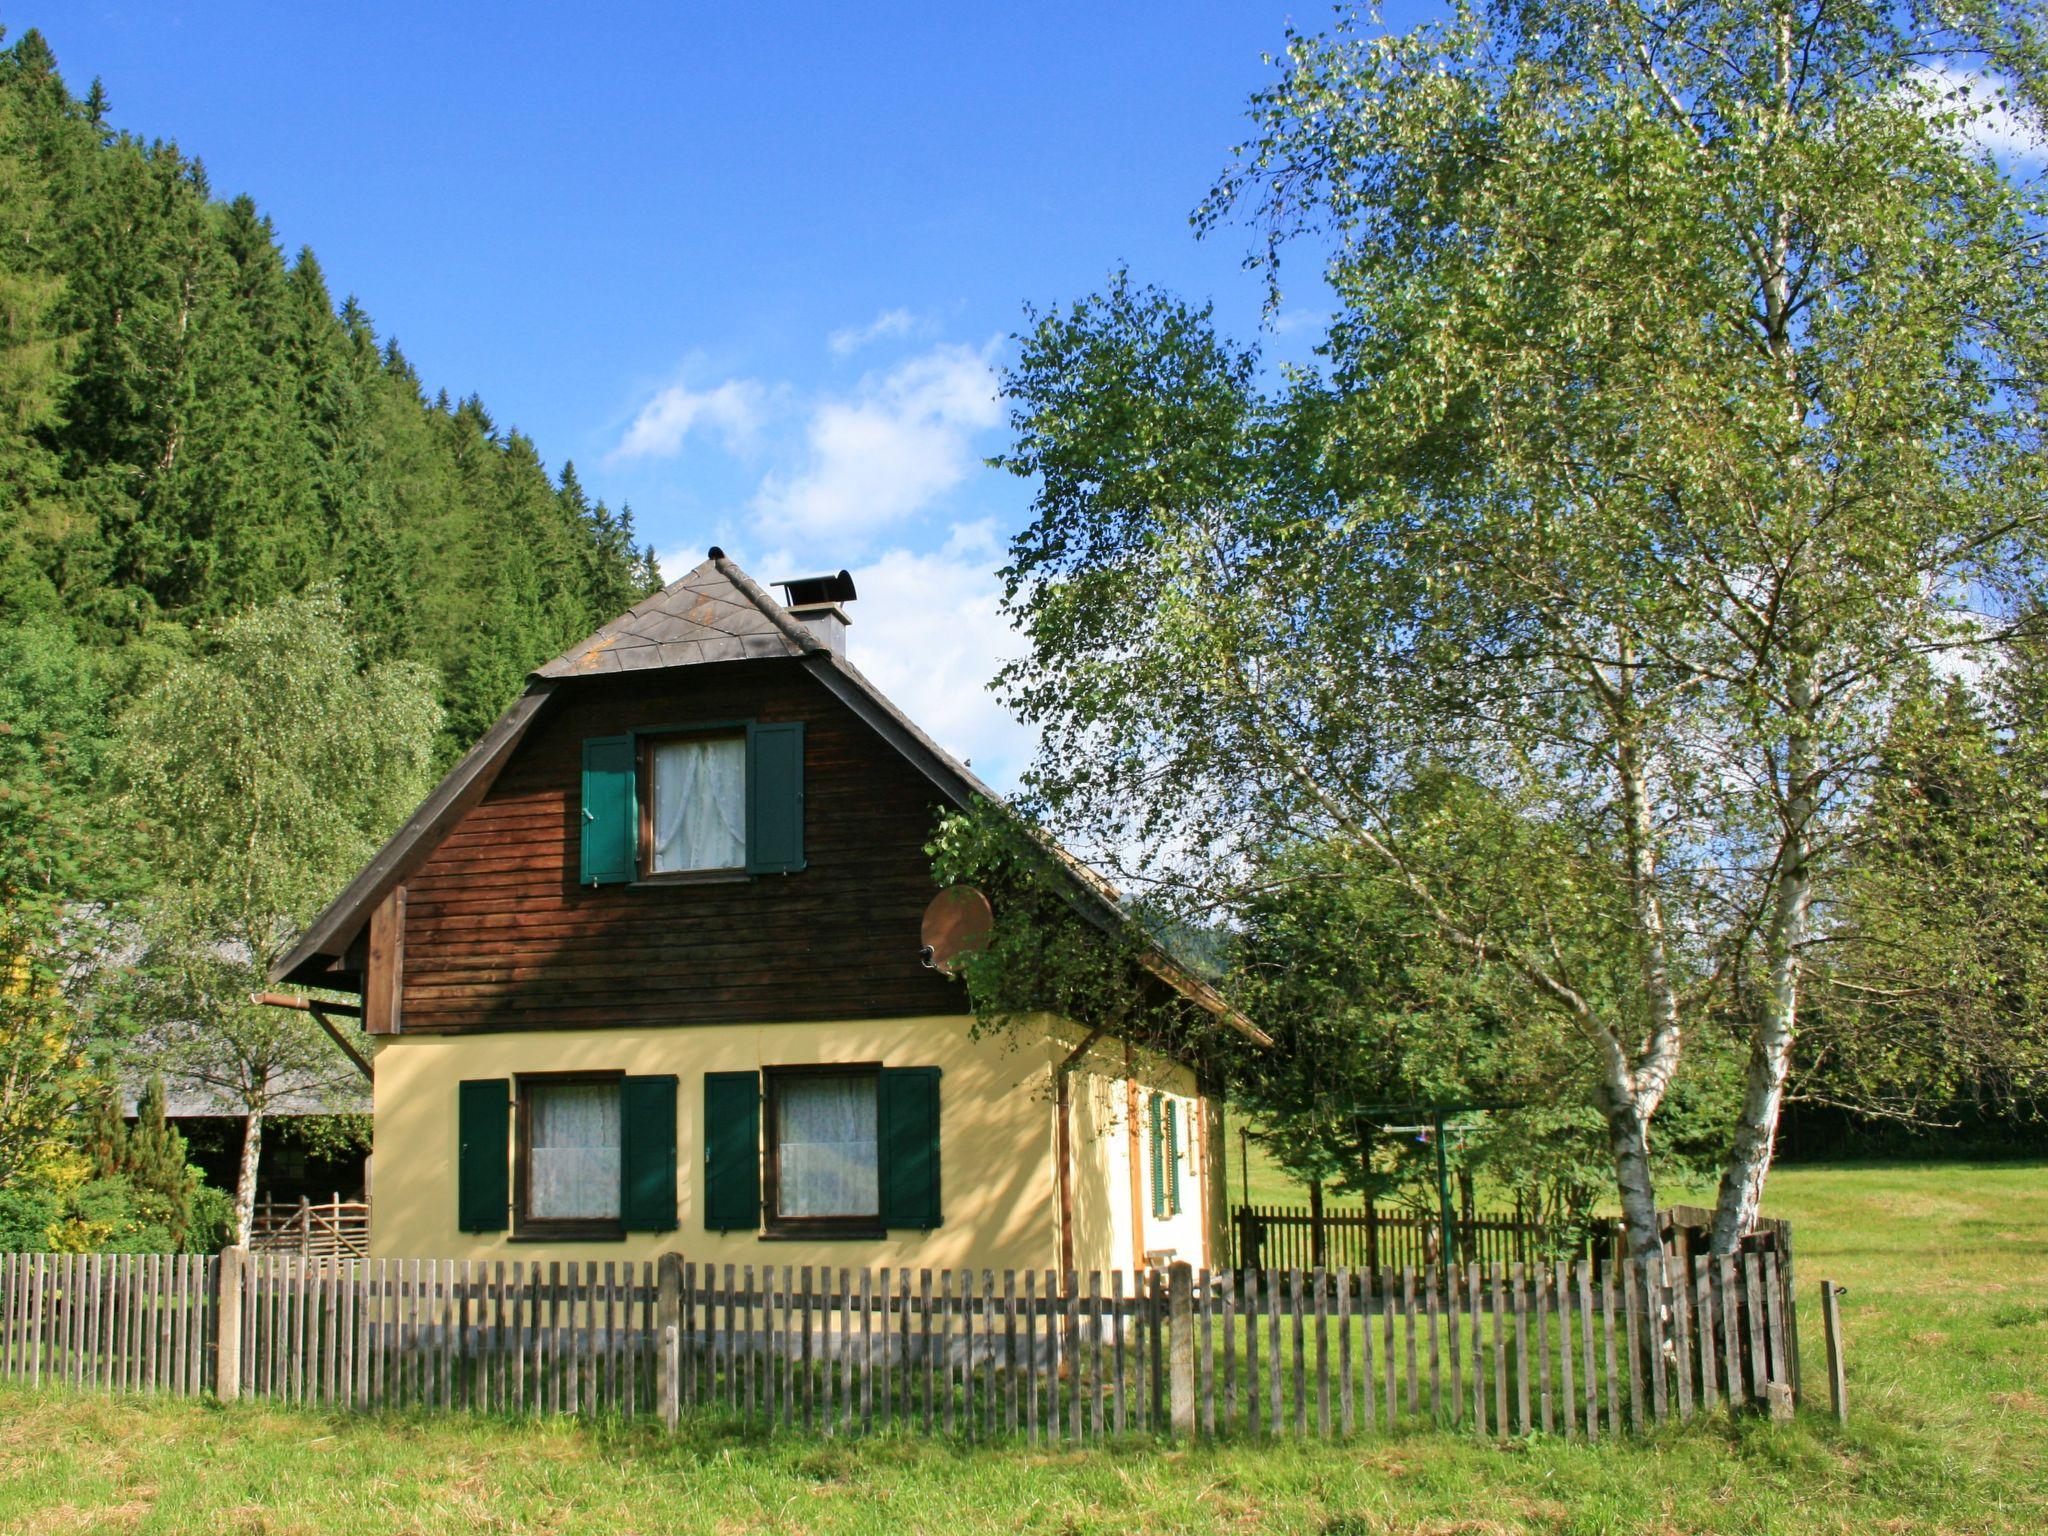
{"points": [[263, 771], [1680, 397]]}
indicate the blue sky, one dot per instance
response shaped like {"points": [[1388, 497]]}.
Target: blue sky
{"points": [[751, 267]]}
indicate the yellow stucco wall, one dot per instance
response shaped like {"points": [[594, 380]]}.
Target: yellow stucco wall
{"points": [[996, 1142], [1108, 1235]]}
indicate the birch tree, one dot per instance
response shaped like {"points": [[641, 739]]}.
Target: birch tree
{"points": [[261, 773], [1679, 395]]}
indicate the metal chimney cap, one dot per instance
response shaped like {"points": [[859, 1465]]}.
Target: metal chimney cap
{"points": [[815, 591]]}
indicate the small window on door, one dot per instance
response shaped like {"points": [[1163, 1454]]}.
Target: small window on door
{"points": [[824, 1151], [696, 804]]}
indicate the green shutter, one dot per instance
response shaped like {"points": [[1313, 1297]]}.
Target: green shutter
{"points": [[483, 1168], [909, 1116], [611, 811], [732, 1151], [1172, 1157], [775, 797], [647, 1154], [1158, 1140]]}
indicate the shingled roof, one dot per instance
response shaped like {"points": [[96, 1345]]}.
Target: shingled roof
{"points": [[704, 616], [715, 613]]}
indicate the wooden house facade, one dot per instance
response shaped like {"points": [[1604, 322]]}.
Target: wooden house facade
{"points": [[643, 973]]}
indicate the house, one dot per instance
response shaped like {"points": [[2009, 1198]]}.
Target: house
{"points": [[644, 974]]}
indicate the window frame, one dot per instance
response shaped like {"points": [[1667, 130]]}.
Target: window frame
{"points": [[525, 1226], [774, 1225], [644, 741]]}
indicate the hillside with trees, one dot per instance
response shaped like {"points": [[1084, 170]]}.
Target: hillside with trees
{"points": [[190, 425], [224, 501]]}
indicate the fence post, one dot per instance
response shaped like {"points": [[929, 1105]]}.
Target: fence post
{"points": [[671, 1370], [1180, 1348], [1831, 1324], [668, 1317], [227, 1325], [1787, 1280]]}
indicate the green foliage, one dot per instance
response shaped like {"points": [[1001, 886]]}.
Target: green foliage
{"points": [[262, 772], [121, 1189], [1681, 394], [1379, 1021], [1933, 989], [190, 427], [333, 1137]]}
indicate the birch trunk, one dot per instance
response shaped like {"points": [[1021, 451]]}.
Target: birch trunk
{"points": [[1628, 1135], [1771, 1037], [1770, 1054], [245, 1177]]}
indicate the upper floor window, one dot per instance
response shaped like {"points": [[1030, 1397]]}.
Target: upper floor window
{"points": [[696, 803], [664, 804]]}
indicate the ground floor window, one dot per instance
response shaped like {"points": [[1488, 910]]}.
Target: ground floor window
{"points": [[567, 1161], [824, 1150]]}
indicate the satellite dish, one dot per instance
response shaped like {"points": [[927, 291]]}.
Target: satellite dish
{"points": [[956, 923]]}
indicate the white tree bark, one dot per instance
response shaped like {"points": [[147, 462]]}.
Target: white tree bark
{"points": [[1772, 1035], [245, 1177], [1628, 1135]]}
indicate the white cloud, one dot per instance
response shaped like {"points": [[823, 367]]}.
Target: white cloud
{"points": [[891, 322], [903, 440], [1991, 124], [733, 410], [929, 630]]}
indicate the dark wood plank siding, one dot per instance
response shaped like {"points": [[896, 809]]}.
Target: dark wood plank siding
{"points": [[499, 935]]}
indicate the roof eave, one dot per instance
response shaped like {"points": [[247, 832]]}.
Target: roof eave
{"points": [[329, 935]]}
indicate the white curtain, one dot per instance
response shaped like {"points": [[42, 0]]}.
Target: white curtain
{"points": [[574, 1131], [826, 1146], [700, 803]]}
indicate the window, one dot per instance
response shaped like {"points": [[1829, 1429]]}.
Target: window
{"points": [[568, 1157], [824, 1151], [676, 804], [696, 804], [592, 1154]]}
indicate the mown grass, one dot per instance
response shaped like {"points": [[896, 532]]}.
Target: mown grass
{"points": [[1947, 1313]]}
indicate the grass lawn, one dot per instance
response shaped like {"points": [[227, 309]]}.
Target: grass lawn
{"points": [[1947, 1314]]}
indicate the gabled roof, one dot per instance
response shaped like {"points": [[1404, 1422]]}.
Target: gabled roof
{"points": [[705, 616], [715, 613]]}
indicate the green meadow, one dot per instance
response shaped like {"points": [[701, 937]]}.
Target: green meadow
{"points": [[1947, 1317]]}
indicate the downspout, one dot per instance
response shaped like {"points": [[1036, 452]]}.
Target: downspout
{"points": [[1063, 1099], [1137, 1135]]}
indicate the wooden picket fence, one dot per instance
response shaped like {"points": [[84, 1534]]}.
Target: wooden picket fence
{"points": [[123, 1321], [1495, 1349], [333, 1227], [1358, 1237]]}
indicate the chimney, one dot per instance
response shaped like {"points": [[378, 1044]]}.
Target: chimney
{"points": [[816, 603]]}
